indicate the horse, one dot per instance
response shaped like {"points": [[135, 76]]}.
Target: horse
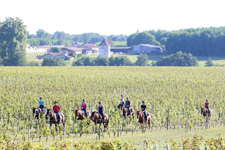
{"points": [[120, 106], [97, 119], [141, 118], [125, 112], [53, 118], [38, 113], [79, 114], [204, 112]]}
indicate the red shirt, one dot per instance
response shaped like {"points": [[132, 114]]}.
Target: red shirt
{"points": [[84, 105], [207, 105], [56, 108]]}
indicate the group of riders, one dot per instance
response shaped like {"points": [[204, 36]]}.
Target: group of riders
{"points": [[100, 109]]}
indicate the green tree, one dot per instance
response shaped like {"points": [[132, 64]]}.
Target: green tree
{"points": [[142, 60], [53, 62], [209, 63], [13, 42], [178, 59], [55, 49], [101, 61]]}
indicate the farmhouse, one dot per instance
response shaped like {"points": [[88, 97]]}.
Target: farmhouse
{"points": [[36, 49], [91, 46], [77, 45], [64, 56], [71, 50], [147, 49], [121, 49]]}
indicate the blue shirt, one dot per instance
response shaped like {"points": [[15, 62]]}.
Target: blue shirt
{"points": [[41, 102]]}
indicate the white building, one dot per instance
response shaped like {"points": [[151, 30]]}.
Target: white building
{"points": [[35, 49], [147, 49], [104, 49]]}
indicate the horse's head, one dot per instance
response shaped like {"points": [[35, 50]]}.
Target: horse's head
{"points": [[138, 111], [47, 114], [76, 113], [203, 111], [93, 115]]}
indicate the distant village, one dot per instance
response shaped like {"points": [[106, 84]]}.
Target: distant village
{"points": [[103, 50]]}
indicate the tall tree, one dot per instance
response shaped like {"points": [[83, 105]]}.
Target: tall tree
{"points": [[13, 42]]}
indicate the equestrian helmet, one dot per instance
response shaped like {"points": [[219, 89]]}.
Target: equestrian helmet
{"points": [[84, 100], [40, 97], [100, 102], [143, 101]]}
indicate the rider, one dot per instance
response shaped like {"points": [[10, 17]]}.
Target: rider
{"points": [[127, 105], [56, 109], [207, 106], [143, 108], [101, 110], [121, 102], [84, 107], [41, 104]]}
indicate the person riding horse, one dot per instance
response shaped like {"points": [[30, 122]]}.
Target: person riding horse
{"points": [[41, 104], [84, 107], [56, 109], [101, 111], [127, 105], [121, 102], [207, 106], [143, 108]]}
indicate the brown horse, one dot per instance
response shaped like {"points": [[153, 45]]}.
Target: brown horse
{"points": [[125, 112], [97, 119], [53, 118], [204, 112], [141, 118], [38, 113], [79, 114]]}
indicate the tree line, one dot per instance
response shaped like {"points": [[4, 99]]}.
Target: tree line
{"points": [[61, 38], [199, 42]]}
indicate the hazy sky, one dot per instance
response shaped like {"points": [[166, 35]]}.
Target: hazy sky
{"points": [[114, 16]]}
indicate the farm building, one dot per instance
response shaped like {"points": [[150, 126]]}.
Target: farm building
{"points": [[121, 49], [36, 49], [71, 50], [104, 49], [91, 46], [77, 45], [64, 56], [147, 49]]}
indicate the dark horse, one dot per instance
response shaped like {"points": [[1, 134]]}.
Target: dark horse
{"points": [[79, 114], [38, 113], [97, 119], [204, 112], [126, 113], [141, 118], [53, 118]]}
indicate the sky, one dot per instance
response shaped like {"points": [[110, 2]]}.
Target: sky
{"points": [[108, 17]]}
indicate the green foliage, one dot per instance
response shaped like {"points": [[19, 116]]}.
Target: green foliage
{"points": [[209, 63], [33, 63], [55, 49], [142, 60], [142, 38], [13, 38], [101, 61], [53, 62], [178, 59]]}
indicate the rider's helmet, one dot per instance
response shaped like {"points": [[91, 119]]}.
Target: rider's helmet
{"points": [[40, 98], [121, 95], [84, 100], [143, 101], [127, 98], [100, 102], [207, 100]]}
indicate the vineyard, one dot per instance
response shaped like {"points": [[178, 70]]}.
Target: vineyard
{"points": [[174, 97]]}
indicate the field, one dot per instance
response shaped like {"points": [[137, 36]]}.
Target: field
{"points": [[173, 96]]}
